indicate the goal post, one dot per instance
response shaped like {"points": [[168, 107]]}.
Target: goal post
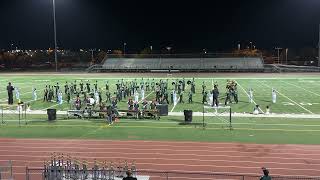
{"points": [[223, 113]]}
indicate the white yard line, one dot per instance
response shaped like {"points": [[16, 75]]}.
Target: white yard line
{"points": [[32, 101], [146, 96], [175, 105], [301, 88], [248, 95], [50, 107], [288, 99], [26, 93]]}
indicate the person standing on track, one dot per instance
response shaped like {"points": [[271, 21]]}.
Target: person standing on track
{"points": [[265, 174], [129, 176], [10, 89]]}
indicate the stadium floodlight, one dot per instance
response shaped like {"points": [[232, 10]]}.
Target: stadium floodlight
{"points": [[55, 34]]}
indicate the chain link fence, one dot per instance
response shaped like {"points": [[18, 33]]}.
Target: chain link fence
{"points": [[6, 171]]}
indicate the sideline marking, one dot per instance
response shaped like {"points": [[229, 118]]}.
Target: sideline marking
{"points": [[52, 106], [166, 127]]}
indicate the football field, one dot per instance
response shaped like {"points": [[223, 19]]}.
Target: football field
{"points": [[296, 112], [295, 94]]}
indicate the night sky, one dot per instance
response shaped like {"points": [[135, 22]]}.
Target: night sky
{"points": [[187, 26]]}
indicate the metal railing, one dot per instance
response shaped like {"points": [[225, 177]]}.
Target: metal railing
{"points": [[105, 174]]}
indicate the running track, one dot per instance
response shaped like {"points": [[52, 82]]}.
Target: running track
{"points": [[300, 160]]}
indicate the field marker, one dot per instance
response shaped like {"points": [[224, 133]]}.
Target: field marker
{"points": [[248, 95], [301, 88], [289, 99]]}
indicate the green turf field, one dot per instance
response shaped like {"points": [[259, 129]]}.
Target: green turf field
{"points": [[296, 95]]}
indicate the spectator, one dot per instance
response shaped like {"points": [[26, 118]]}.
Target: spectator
{"points": [[265, 174], [129, 176]]}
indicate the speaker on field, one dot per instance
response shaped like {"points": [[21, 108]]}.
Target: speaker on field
{"points": [[52, 114], [163, 109], [187, 116]]}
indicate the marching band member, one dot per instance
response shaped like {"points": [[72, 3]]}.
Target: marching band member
{"points": [[34, 94], [250, 95], [17, 93], [274, 95]]}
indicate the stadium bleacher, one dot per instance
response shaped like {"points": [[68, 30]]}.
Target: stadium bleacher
{"points": [[237, 64]]}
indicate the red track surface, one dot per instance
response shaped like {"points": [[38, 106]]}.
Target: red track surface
{"points": [[300, 160]]}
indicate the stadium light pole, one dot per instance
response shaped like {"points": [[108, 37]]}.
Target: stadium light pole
{"points": [[55, 34], [92, 51], [124, 48], [277, 48], [287, 55], [319, 48]]}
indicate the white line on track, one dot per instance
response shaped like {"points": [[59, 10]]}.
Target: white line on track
{"points": [[288, 98], [151, 145], [169, 143], [211, 161], [212, 166], [193, 153], [157, 171], [157, 151]]}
